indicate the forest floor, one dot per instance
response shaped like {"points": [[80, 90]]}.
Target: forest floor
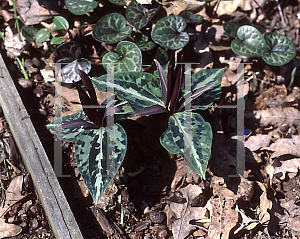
{"points": [[160, 195]]}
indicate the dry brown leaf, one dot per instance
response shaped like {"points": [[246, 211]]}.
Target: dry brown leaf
{"points": [[32, 13], [13, 195], [223, 216], [247, 222], [281, 167], [184, 212], [176, 6], [291, 217], [245, 189], [265, 205], [258, 141], [277, 116], [284, 147], [229, 7]]}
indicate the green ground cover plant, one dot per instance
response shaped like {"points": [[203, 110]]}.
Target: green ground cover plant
{"points": [[137, 93]]}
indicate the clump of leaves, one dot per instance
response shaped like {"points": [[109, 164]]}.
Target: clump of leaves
{"points": [[275, 49], [99, 148], [60, 25], [188, 134]]}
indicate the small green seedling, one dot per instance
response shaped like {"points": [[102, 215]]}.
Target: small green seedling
{"points": [[60, 25], [22, 65], [275, 49]]}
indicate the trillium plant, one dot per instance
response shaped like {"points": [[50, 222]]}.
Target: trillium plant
{"points": [[100, 148]]}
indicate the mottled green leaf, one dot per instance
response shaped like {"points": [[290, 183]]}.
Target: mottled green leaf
{"points": [[251, 42], [203, 78], [60, 23], [99, 153], [138, 16], [57, 39], [168, 32], [127, 58], [29, 32], [140, 89], [189, 136], [42, 35], [190, 17], [80, 7], [111, 29], [280, 49], [230, 29], [68, 134], [118, 2]]}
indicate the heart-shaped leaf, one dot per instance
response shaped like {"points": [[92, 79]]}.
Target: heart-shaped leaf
{"points": [[230, 29], [280, 49], [128, 58], [29, 32], [70, 133], [138, 16], [251, 42], [140, 89], [191, 141], [168, 32], [60, 23], [42, 35], [80, 7], [69, 50], [99, 153], [118, 2], [190, 17], [56, 40], [69, 73], [111, 29]]}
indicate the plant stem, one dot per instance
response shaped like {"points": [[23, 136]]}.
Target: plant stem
{"points": [[22, 68], [1, 35], [16, 18], [122, 216]]}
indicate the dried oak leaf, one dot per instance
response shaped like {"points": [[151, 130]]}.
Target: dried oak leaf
{"points": [[284, 146], [223, 217], [184, 212], [229, 7], [32, 13], [176, 6], [13, 195], [281, 167], [291, 218], [277, 116], [256, 142]]}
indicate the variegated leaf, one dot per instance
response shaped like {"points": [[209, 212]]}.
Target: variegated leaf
{"points": [[68, 134], [143, 79], [111, 28], [169, 32], [138, 16], [203, 78], [80, 7], [99, 154], [137, 96], [128, 57], [251, 42], [280, 49], [189, 136]]}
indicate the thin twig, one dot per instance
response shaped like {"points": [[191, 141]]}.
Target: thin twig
{"points": [[281, 14]]}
